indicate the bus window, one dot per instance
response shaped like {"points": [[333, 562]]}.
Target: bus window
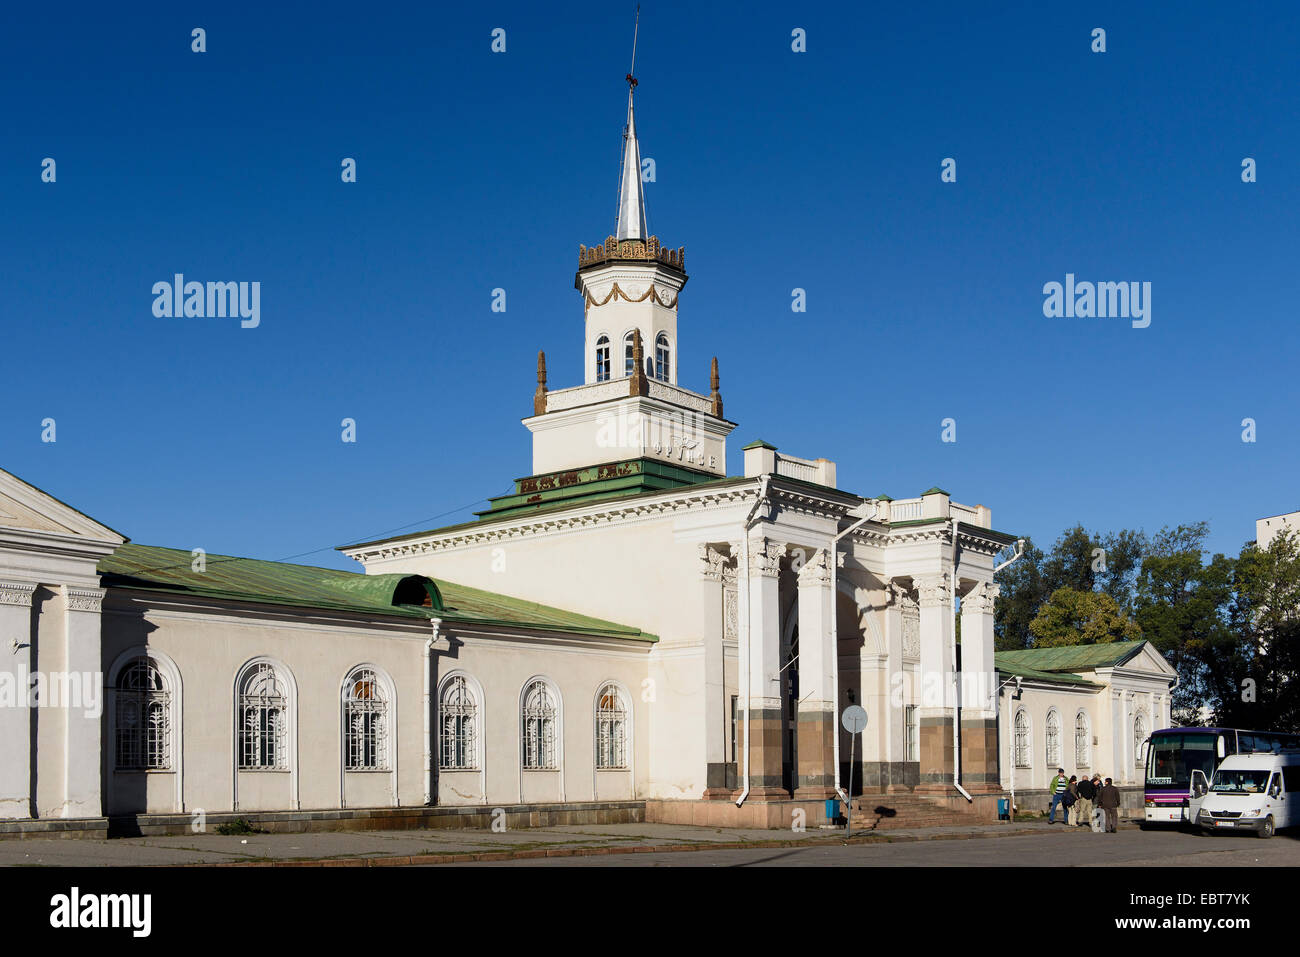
{"points": [[1245, 742], [1291, 778]]}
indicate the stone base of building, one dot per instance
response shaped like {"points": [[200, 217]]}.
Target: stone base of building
{"points": [[516, 816], [878, 811], [86, 827]]}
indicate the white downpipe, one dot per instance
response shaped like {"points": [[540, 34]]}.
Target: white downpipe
{"points": [[428, 714], [744, 659], [956, 679], [835, 643]]}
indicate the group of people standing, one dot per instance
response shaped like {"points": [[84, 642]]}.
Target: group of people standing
{"points": [[1086, 803]]}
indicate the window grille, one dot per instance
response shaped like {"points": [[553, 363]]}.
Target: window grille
{"points": [[1082, 741], [366, 720], [458, 711], [611, 730], [602, 359], [143, 727], [1053, 740], [263, 717], [1022, 740], [539, 719]]}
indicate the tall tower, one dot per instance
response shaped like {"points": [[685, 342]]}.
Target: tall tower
{"points": [[629, 427], [630, 283]]}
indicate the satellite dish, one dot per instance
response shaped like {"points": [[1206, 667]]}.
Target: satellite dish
{"points": [[854, 719]]}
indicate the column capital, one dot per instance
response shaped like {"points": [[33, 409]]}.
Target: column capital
{"points": [[16, 593], [714, 563], [765, 558], [84, 599], [816, 571], [933, 591], [980, 598]]}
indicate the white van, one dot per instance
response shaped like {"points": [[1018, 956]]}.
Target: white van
{"points": [[1253, 792]]}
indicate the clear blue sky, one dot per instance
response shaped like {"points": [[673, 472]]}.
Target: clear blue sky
{"points": [[775, 169]]}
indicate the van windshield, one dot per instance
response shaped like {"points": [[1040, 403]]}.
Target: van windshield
{"points": [[1240, 781]]}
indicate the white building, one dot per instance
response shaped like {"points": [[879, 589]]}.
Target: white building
{"points": [[1266, 529], [630, 632]]}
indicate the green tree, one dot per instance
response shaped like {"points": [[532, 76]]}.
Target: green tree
{"points": [[1074, 617]]}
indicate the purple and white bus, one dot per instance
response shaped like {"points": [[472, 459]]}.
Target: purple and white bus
{"points": [[1181, 761]]}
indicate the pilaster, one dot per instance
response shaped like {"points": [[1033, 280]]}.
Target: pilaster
{"points": [[15, 713], [815, 717], [84, 662]]}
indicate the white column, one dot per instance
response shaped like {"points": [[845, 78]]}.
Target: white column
{"points": [[82, 770], [977, 651], [936, 637], [15, 717], [815, 643], [716, 718]]}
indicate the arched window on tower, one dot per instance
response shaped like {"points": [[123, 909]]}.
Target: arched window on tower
{"points": [[628, 366], [663, 357], [602, 359]]}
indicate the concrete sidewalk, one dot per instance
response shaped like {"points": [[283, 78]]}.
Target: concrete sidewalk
{"points": [[379, 848]]}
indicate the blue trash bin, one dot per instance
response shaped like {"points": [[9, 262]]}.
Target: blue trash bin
{"points": [[832, 810], [1004, 809]]}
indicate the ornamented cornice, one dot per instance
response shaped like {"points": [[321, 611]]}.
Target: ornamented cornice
{"points": [[84, 599], [634, 250], [631, 295], [680, 500], [16, 593]]}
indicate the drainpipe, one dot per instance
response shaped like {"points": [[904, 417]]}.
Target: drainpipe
{"points": [[835, 640], [1011, 723], [428, 714], [744, 659], [956, 679]]}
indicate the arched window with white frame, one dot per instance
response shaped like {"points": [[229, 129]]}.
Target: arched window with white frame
{"points": [[1082, 740], [539, 725], [365, 721], [263, 715], [1139, 737], [602, 359], [611, 728], [1023, 750], [1053, 739], [142, 725], [629, 361], [458, 724], [663, 358]]}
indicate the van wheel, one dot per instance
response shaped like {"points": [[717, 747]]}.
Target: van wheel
{"points": [[1266, 829]]}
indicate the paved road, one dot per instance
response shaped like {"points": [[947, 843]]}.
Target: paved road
{"points": [[1130, 848]]}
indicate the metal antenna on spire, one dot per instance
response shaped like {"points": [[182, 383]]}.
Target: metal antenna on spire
{"points": [[631, 79]]}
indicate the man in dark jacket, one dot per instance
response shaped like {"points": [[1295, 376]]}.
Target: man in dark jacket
{"points": [[1108, 801], [1087, 794]]}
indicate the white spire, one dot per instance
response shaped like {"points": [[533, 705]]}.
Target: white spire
{"points": [[631, 199]]}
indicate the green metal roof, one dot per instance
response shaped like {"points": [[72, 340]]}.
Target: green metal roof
{"points": [[152, 568], [1068, 657]]}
